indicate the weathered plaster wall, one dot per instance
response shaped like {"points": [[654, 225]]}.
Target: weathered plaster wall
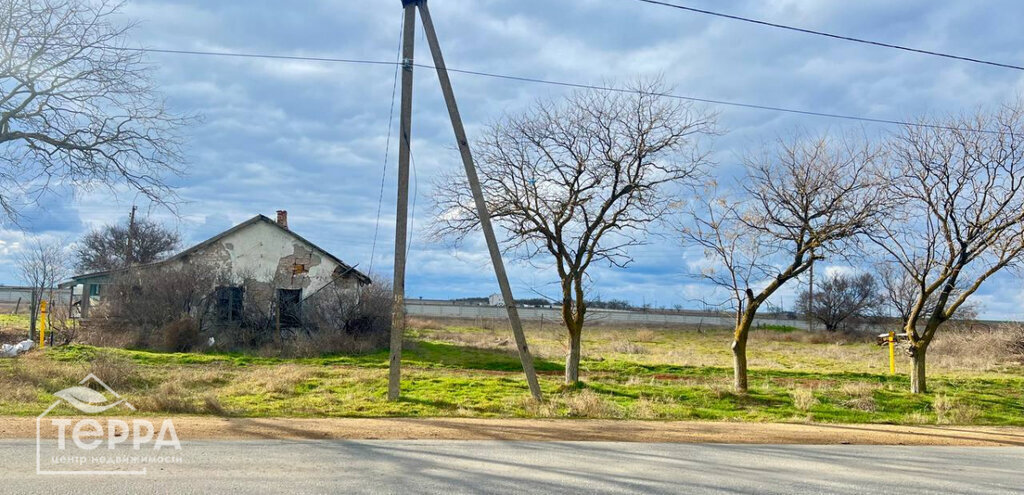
{"points": [[266, 255]]}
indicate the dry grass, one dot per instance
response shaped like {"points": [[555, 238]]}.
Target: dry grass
{"points": [[866, 404], [819, 337], [414, 323], [213, 406], [587, 404], [118, 372], [628, 347], [859, 389], [281, 379], [170, 397], [952, 412], [979, 348], [33, 369], [803, 398]]}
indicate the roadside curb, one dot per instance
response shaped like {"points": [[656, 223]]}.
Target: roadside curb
{"points": [[213, 428]]}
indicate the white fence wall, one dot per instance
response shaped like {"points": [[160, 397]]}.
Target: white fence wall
{"points": [[9, 296], [442, 310]]}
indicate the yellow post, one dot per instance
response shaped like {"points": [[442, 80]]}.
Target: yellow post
{"points": [[42, 323], [892, 353]]}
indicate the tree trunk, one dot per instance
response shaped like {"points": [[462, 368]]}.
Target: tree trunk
{"points": [[572, 359], [33, 310], [739, 349], [739, 366], [917, 372]]}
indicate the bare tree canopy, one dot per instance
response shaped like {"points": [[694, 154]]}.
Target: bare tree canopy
{"points": [[42, 265], [959, 216], [899, 294], [74, 108], [795, 205], [580, 181], [118, 246], [840, 297]]}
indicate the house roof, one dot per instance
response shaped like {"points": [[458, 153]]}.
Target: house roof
{"points": [[348, 270]]}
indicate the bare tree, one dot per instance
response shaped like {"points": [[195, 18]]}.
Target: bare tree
{"points": [[899, 294], [580, 181], [793, 207], [43, 265], [838, 297], [132, 242], [959, 188], [75, 107]]}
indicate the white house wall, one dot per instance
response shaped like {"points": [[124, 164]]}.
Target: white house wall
{"points": [[267, 254]]}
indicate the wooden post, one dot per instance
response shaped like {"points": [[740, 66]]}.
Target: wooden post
{"points": [[481, 205], [401, 211]]}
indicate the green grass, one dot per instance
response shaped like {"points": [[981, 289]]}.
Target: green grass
{"points": [[470, 372]]}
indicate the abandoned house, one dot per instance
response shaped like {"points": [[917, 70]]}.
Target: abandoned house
{"points": [[259, 256]]}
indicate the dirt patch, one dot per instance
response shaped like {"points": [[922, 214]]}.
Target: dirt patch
{"points": [[200, 428]]}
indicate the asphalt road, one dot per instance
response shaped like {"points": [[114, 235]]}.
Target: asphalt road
{"points": [[444, 466]]}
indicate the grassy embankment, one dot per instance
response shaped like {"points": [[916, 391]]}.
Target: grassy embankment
{"points": [[471, 371]]}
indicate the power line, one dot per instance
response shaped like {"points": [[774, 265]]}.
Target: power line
{"points": [[387, 150], [835, 36], [567, 84]]}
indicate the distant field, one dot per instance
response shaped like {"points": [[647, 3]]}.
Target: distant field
{"points": [[455, 370]]}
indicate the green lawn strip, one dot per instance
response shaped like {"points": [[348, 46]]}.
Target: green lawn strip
{"points": [[443, 379]]}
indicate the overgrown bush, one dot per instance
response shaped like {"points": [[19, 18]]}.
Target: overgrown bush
{"points": [[174, 309], [155, 307], [979, 346], [348, 320]]}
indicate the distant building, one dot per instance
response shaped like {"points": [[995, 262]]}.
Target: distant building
{"points": [[262, 257], [495, 300]]}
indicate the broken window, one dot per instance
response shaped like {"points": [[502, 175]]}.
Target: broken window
{"points": [[289, 303], [228, 304]]}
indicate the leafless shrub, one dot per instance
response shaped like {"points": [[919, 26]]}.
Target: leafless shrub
{"points": [[347, 320], [180, 335], [162, 307]]}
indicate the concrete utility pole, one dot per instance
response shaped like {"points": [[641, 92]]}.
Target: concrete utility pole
{"points": [[481, 204], [401, 213], [478, 197], [810, 296], [131, 234]]}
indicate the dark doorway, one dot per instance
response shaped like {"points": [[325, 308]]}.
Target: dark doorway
{"points": [[289, 303]]}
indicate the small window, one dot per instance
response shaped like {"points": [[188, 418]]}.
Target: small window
{"points": [[228, 304], [299, 268], [289, 304], [94, 289]]}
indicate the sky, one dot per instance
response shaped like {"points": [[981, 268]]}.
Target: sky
{"points": [[310, 137]]}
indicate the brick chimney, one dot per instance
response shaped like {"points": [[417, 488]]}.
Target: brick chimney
{"points": [[282, 218]]}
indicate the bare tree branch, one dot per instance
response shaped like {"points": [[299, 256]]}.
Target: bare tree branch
{"points": [[77, 110]]}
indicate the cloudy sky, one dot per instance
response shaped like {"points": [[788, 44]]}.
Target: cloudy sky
{"points": [[309, 137]]}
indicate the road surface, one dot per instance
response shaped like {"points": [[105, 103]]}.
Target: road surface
{"points": [[449, 467]]}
